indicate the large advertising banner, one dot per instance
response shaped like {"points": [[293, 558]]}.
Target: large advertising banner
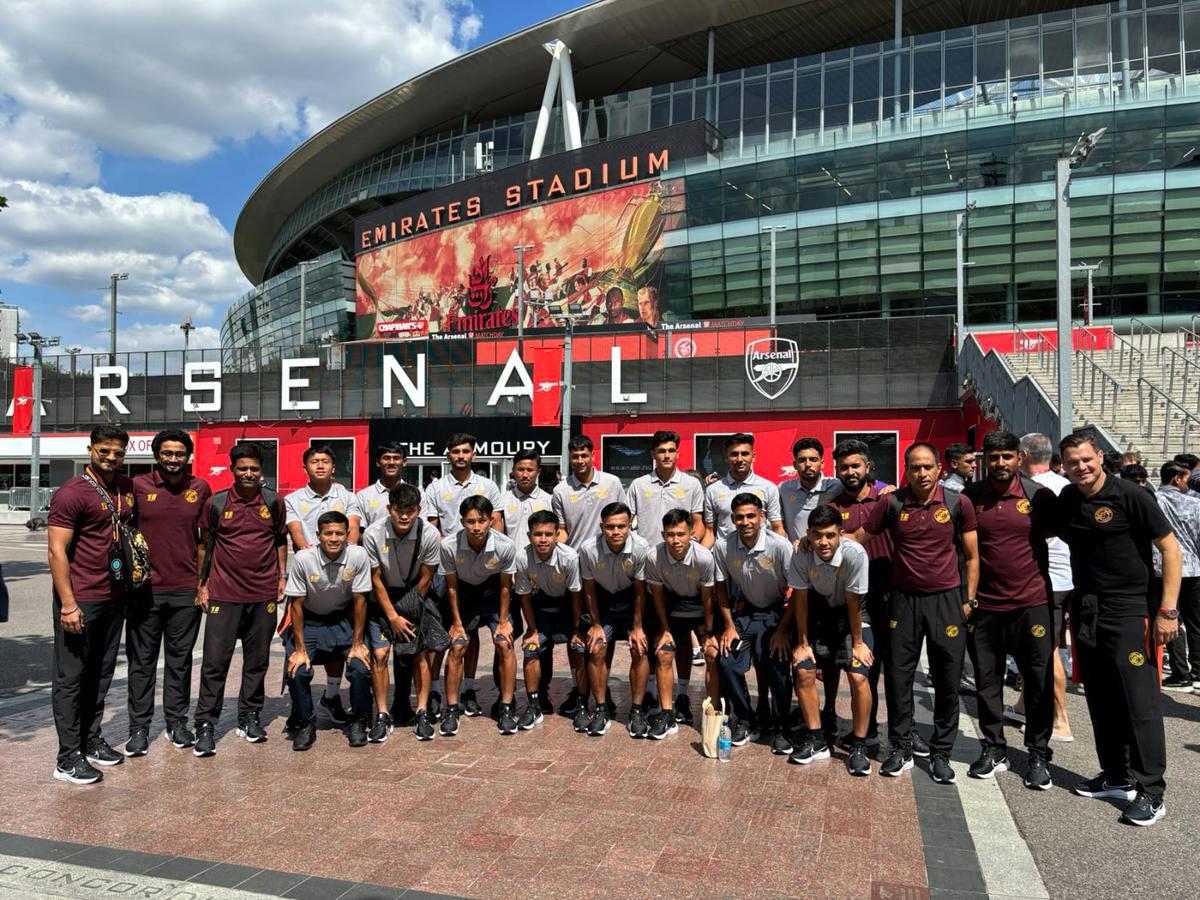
{"points": [[600, 250]]}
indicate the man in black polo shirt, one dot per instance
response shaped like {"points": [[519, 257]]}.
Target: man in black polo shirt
{"points": [[1117, 633]]}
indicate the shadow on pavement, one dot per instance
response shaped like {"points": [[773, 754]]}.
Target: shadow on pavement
{"points": [[24, 659]]}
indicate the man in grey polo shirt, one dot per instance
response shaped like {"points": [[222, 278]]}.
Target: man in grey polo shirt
{"points": [[755, 560], [548, 588], [652, 495], [741, 479], [478, 564], [829, 575], [303, 508], [580, 497], [799, 496], [372, 501], [327, 586], [681, 573], [524, 498]]}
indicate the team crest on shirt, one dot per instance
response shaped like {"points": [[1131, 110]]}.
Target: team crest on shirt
{"points": [[374, 503], [460, 558], [1023, 507], [304, 507], [627, 565], [736, 563], [765, 562], [1137, 658], [941, 515], [649, 492], [1038, 631], [892, 624], [191, 495], [812, 573], [574, 498], [492, 562], [557, 576], [1103, 515], [951, 631], [339, 506], [314, 578], [263, 512], [348, 574], [150, 498], [602, 493], [511, 508], [538, 507], [271, 608], [845, 516], [129, 499], [677, 493], [446, 495]]}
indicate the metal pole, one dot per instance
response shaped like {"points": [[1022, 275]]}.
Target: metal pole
{"points": [[35, 428], [112, 321], [710, 100], [1090, 309], [565, 463], [1062, 181], [773, 276], [303, 302], [898, 41], [960, 320]]}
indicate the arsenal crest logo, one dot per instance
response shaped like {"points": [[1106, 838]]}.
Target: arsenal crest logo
{"points": [[771, 365]]}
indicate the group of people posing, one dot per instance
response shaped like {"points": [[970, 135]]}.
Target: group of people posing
{"points": [[817, 576]]}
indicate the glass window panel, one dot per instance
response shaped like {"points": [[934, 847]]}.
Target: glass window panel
{"points": [[754, 99], [808, 90], [837, 85], [960, 67], [681, 107], [781, 94], [1058, 51], [1023, 56], [927, 69], [1162, 32]]}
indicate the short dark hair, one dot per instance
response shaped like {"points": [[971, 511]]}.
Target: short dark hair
{"points": [[527, 454], [459, 438], [404, 496], [245, 450], [109, 432], [1001, 440], [580, 442], [391, 447], [920, 445], [663, 437], [1172, 470], [172, 434], [955, 451], [808, 443], [1113, 462], [674, 517], [1078, 439], [1134, 471], [740, 438], [745, 498], [852, 447], [333, 517], [543, 517], [317, 450], [1055, 460], [1191, 460], [478, 503], [615, 509], [824, 516]]}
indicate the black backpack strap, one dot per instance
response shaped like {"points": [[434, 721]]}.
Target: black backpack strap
{"points": [[1029, 486], [953, 504], [219, 499], [895, 505]]}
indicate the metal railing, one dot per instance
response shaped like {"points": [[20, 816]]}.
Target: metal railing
{"points": [[1018, 404], [1173, 420], [19, 498], [1145, 336], [1180, 377], [1099, 388], [1131, 360], [1035, 343]]}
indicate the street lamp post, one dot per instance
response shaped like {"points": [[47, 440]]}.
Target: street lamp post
{"points": [[36, 343], [1089, 309], [572, 314], [960, 237], [772, 229], [521, 249], [187, 328], [112, 314]]}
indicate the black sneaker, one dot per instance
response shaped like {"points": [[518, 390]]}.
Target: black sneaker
{"points": [[250, 728], [470, 705], [812, 747], [545, 704], [357, 734], [919, 747], [1037, 778], [683, 710], [333, 706], [663, 725], [742, 733], [206, 741], [1180, 683], [100, 754], [77, 770], [401, 714], [304, 736], [848, 740], [505, 722], [583, 718], [531, 717], [435, 706], [781, 745], [449, 726], [381, 728], [423, 726], [138, 743], [638, 726], [939, 769], [179, 735], [1099, 788], [991, 760], [897, 763], [858, 763], [570, 706], [1146, 809], [600, 722]]}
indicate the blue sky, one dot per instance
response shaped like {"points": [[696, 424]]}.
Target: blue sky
{"points": [[130, 137]]}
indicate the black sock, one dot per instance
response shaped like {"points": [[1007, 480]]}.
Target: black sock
{"points": [[533, 696]]}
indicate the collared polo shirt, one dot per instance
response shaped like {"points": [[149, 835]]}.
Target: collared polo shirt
{"points": [[719, 495], [498, 557], [372, 502], [1014, 565], [245, 559], [845, 571], [796, 501], [445, 495], [925, 555], [77, 506], [651, 498], [306, 506], [393, 555], [760, 571], [327, 586], [578, 505], [855, 513], [682, 577], [518, 507], [614, 571], [553, 577], [169, 519]]}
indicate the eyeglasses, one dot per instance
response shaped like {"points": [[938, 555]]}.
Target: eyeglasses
{"points": [[116, 454]]}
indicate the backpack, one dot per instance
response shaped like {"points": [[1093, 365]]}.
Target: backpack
{"points": [[219, 499], [974, 490]]}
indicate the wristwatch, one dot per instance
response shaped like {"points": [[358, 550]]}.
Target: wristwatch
{"points": [[973, 602], [1168, 613]]}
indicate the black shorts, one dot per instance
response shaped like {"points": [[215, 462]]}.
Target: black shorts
{"points": [[616, 615], [831, 641]]}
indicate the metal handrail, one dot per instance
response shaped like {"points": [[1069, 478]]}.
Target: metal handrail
{"points": [[1172, 363], [1145, 335], [1148, 395], [1018, 404], [1085, 335], [1131, 360], [1088, 373], [1190, 337], [1024, 342]]}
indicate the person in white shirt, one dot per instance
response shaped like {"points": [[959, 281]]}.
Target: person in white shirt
{"points": [[372, 500], [741, 479], [799, 496], [653, 495]]}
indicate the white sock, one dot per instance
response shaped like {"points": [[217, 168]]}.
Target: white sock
{"points": [[333, 686], [468, 684], [436, 687]]}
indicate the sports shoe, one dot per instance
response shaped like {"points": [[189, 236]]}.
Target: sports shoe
{"points": [[494, 709], [138, 743], [1146, 809], [505, 722], [304, 736], [919, 747], [449, 726], [638, 726], [251, 729], [1100, 788], [858, 763], [206, 741], [380, 728], [897, 763], [422, 726], [470, 705], [683, 710], [435, 706], [1179, 683], [939, 769], [811, 748], [848, 740], [101, 754], [663, 725], [179, 735], [600, 722], [333, 706], [583, 718], [780, 744], [531, 716], [991, 760], [77, 770], [570, 706], [357, 734], [1037, 777], [401, 714], [545, 704]]}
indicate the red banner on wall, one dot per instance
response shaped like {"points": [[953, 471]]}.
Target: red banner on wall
{"points": [[22, 405], [547, 385]]}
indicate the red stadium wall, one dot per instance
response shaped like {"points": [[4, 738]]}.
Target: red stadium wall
{"points": [[213, 443]]}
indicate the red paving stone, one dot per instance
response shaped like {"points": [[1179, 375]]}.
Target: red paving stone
{"points": [[548, 813]]}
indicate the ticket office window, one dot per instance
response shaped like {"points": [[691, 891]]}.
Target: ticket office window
{"points": [[884, 448], [343, 459]]}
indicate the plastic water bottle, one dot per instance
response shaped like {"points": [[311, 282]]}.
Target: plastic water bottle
{"points": [[725, 742]]}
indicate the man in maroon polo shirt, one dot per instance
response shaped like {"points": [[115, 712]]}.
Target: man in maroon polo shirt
{"points": [[164, 613], [239, 589], [89, 603], [927, 526], [1014, 616]]}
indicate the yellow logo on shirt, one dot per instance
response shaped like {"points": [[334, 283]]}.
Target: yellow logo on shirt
{"points": [[1023, 507], [1038, 631], [812, 573], [271, 608], [314, 578], [374, 503], [737, 563], [677, 493], [765, 562], [478, 492], [348, 574], [649, 492], [1103, 516], [229, 513], [903, 517], [460, 558], [263, 512], [304, 507], [538, 507], [492, 562], [602, 492], [191, 495], [627, 565], [150, 498], [557, 576], [1137, 658], [845, 516], [941, 515], [447, 495], [892, 624], [339, 506], [951, 631], [129, 499], [213, 609]]}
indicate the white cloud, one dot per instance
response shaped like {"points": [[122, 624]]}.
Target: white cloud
{"points": [[153, 336], [29, 148], [93, 312]]}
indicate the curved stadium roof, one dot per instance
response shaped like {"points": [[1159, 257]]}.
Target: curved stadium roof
{"points": [[616, 45]]}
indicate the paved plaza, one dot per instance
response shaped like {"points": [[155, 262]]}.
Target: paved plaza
{"points": [[548, 813]]}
